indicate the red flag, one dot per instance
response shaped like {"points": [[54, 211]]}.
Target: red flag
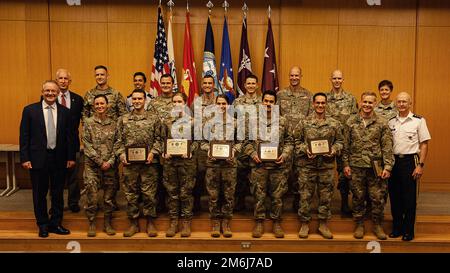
{"points": [[189, 83], [270, 73]]}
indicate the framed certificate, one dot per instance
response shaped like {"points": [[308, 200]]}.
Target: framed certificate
{"points": [[377, 167], [220, 150], [177, 147], [319, 146], [268, 151], [136, 154]]}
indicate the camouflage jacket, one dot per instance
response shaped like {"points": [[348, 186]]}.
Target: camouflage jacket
{"points": [[116, 103], [298, 101], [341, 106], [365, 143], [229, 131], [387, 111], [312, 128], [285, 143], [161, 106], [99, 139], [139, 130]]}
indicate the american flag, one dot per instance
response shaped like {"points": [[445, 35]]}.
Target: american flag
{"points": [[160, 64]]}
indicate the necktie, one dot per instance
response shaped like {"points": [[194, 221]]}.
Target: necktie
{"points": [[63, 100], [51, 130]]}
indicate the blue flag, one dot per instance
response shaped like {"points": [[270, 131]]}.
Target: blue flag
{"points": [[209, 58], [226, 66]]}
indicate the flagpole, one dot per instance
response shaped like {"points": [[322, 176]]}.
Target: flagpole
{"points": [[170, 4], [225, 5], [209, 5], [269, 11], [187, 5], [245, 9]]}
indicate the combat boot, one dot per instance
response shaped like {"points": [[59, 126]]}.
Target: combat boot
{"points": [[324, 230], [151, 229], [133, 229], [258, 230], [226, 228], [186, 228], [277, 230], [92, 230], [345, 209], [215, 232], [107, 226], [173, 228], [359, 230], [379, 232], [304, 230]]}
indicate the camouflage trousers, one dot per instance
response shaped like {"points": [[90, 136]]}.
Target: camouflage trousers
{"points": [[94, 180], [343, 182], [179, 180], [363, 181], [272, 183], [309, 179], [221, 185], [146, 189]]}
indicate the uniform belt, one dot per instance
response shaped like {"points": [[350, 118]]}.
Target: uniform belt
{"points": [[405, 155]]}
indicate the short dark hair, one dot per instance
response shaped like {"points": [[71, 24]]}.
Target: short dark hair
{"points": [[139, 91], [251, 76], [208, 76], [386, 82], [223, 96], [182, 95], [140, 74], [100, 67], [167, 75], [320, 94], [271, 93], [101, 96]]}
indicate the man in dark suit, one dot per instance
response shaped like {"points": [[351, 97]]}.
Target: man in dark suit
{"points": [[47, 151], [74, 103]]}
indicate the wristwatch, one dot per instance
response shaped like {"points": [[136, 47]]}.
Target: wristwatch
{"points": [[421, 164]]}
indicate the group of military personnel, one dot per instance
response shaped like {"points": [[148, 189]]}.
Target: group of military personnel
{"points": [[358, 139]]}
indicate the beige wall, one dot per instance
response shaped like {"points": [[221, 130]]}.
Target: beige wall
{"points": [[407, 42]]}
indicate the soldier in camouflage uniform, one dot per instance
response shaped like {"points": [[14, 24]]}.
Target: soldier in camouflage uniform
{"points": [[139, 128], [251, 98], [368, 140], [200, 103], [161, 107], [139, 80], [221, 174], [99, 136], [116, 108], [340, 106], [294, 101], [316, 170], [269, 178], [386, 107], [179, 171]]}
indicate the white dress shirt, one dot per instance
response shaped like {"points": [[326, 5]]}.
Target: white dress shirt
{"points": [[66, 96], [408, 133]]}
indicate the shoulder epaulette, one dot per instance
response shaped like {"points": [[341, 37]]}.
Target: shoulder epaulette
{"points": [[417, 116]]}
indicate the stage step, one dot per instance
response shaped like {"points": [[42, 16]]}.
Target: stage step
{"points": [[24, 241]]}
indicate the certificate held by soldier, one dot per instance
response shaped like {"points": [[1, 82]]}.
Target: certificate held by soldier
{"points": [[177, 147], [137, 154]]}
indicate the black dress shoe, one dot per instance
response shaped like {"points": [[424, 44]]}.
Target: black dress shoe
{"points": [[74, 208], [395, 234], [59, 230], [407, 237], [43, 232]]}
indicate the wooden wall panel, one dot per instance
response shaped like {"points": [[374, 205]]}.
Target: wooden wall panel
{"points": [[390, 13], [432, 98], [130, 49], [314, 12], [368, 55], [434, 13], [24, 10], [79, 47], [137, 11], [89, 11], [313, 48], [24, 66]]}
